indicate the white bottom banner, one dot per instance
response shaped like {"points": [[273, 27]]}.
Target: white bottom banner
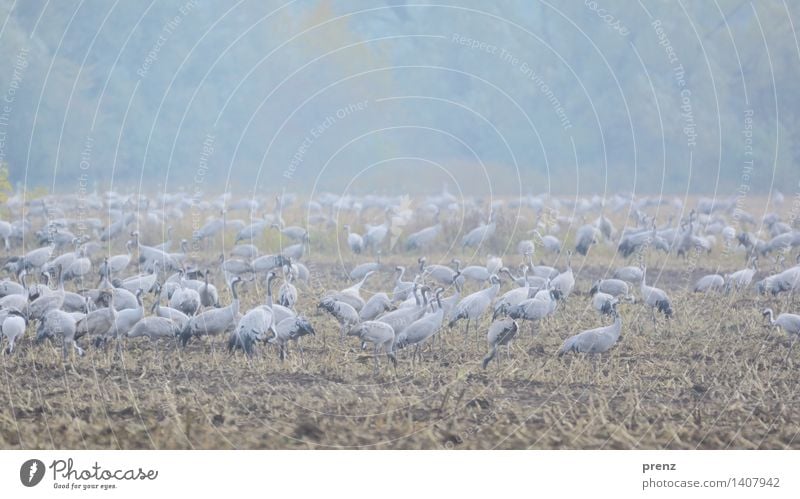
{"points": [[397, 473]]}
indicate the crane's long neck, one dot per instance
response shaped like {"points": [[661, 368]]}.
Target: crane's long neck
{"points": [[400, 274], [363, 280], [616, 329], [771, 317], [235, 301], [111, 306], [60, 280], [140, 303], [269, 290]]}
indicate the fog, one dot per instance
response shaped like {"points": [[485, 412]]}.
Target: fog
{"points": [[364, 96]]}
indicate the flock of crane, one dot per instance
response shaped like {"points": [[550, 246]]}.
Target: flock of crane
{"points": [[52, 244]]}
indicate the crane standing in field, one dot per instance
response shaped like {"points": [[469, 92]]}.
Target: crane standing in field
{"points": [[255, 324], [473, 306], [788, 322], [379, 334], [423, 328], [501, 332], [354, 241], [565, 281], [12, 326], [655, 298], [592, 341], [290, 329], [344, 313], [215, 321], [479, 235]]}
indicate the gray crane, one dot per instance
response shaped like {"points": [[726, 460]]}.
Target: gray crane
{"points": [[354, 241], [215, 321], [593, 341], [655, 298], [709, 283], [381, 335], [290, 329], [788, 322], [473, 306], [501, 332], [376, 305], [344, 313]]}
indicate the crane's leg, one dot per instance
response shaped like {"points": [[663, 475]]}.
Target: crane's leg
{"points": [[490, 356], [466, 333]]}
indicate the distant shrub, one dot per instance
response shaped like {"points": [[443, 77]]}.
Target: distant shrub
{"points": [[5, 183]]}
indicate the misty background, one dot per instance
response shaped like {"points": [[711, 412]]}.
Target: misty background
{"points": [[371, 96]]}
